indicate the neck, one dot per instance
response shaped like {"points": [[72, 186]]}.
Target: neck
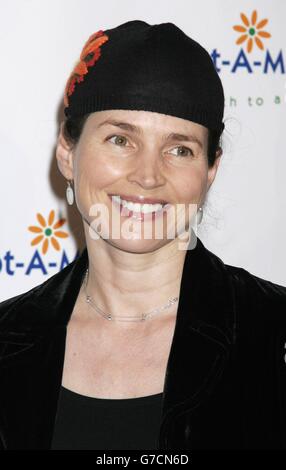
{"points": [[127, 284]]}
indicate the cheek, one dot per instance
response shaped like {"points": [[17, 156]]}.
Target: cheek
{"points": [[94, 170], [192, 184]]}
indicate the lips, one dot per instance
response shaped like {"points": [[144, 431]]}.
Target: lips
{"points": [[139, 199], [144, 216]]}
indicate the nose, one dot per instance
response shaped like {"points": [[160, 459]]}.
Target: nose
{"points": [[148, 171]]}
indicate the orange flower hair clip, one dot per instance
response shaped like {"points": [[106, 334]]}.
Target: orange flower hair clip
{"points": [[89, 55]]}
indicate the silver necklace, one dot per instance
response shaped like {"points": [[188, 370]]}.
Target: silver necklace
{"points": [[140, 317]]}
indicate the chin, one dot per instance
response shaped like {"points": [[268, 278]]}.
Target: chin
{"points": [[137, 246]]}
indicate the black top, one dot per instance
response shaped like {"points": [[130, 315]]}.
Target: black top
{"points": [[101, 423]]}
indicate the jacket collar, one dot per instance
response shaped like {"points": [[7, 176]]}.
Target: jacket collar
{"points": [[33, 333]]}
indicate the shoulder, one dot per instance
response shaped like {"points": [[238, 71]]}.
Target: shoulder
{"points": [[252, 284], [250, 281], [253, 299], [25, 307], [12, 302], [258, 300], [244, 282]]}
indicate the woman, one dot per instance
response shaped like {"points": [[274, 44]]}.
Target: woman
{"points": [[143, 342]]}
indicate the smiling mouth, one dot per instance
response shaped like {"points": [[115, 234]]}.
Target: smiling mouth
{"points": [[139, 211]]}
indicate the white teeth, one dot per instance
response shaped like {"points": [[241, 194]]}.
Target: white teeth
{"points": [[144, 208], [136, 207], [116, 198]]}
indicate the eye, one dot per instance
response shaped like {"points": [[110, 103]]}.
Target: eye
{"points": [[118, 138], [185, 148]]}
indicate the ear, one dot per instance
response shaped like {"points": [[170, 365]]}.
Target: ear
{"points": [[212, 171], [64, 155]]}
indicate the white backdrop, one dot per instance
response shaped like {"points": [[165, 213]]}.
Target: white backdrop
{"points": [[40, 42]]}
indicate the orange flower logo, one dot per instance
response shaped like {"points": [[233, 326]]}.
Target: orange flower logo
{"points": [[89, 55], [252, 31], [48, 232]]}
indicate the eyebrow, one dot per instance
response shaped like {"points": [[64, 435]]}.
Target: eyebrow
{"points": [[132, 128]]}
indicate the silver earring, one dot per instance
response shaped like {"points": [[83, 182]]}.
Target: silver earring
{"points": [[200, 215], [70, 194]]}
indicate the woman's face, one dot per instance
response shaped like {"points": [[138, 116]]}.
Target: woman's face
{"points": [[132, 154]]}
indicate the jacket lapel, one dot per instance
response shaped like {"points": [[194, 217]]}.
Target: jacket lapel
{"points": [[32, 347], [203, 337]]}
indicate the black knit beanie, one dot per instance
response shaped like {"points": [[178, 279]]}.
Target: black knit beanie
{"points": [[137, 66]]}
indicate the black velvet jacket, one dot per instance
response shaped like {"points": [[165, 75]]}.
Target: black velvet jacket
{"points": [[225, 382]]}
